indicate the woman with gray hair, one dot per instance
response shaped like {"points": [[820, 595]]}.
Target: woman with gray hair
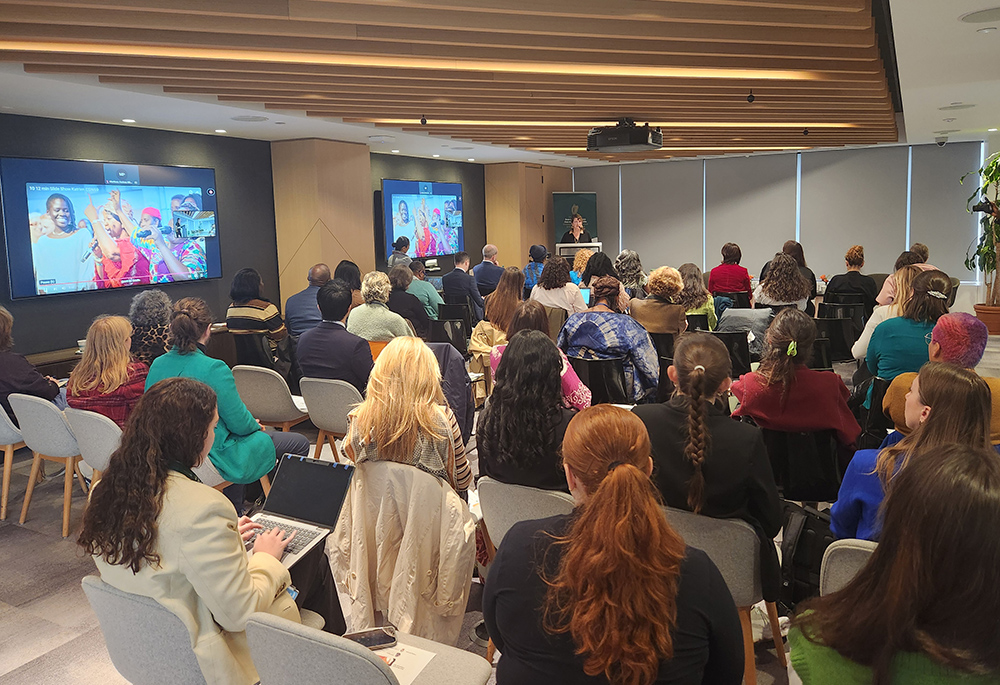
{"points": [[150, 314], [630, 273], [373, 320]]}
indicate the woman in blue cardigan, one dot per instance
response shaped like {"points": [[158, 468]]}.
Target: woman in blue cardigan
{"points": [[243, 451]]}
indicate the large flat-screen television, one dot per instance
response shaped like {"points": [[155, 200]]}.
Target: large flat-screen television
{"points": [[73, 226], [429, 214]]}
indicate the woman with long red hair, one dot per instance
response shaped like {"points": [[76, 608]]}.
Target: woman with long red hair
{"points": [[609, 591]]}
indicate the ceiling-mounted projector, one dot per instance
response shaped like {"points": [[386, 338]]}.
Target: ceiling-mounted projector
{"points": [[624, 137]]}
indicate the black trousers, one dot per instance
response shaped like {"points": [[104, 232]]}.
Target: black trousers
{"points": [[312, 577]]}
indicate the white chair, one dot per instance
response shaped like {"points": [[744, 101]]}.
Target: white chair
{"points": [[267, 397], [504, 504], [329, 402], [10, 438], [733, 546], [148, 644], [97, 436], [841, 562], [47, 434]]}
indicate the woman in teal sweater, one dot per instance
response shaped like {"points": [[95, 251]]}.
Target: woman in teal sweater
{"points": [[923, 610], [242, 452]]}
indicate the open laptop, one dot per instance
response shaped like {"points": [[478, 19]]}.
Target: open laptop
{"points": [[306, 497], [586, 295]]}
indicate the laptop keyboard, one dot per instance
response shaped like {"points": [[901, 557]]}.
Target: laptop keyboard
{"points": [[303, 536]]}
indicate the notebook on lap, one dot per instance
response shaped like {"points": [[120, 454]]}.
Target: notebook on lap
{"points": [[306, 497]]}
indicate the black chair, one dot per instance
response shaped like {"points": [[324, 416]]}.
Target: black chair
{"points": [[740, 300], [843, 298], [605, 378], [821, 355], [840, 333], [954, 292], [450, 331], [253, 349], [697, 322], [875, 425], [854, 312], [739, 351], [664, 344], [805, 465], [456, 312]]}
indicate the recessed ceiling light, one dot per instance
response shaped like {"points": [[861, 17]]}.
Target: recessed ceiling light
{"points": [[948, 120], [395, 152], [982, 16], [220, 130], [992, 129], [987, 29], [279, 123], [128, 121], [472, 159], [956, 106], [249, 117]]}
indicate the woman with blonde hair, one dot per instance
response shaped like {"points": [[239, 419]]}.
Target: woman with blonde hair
{"points": [[405, 418], [904, 286], [373, 320], [107, 380], [580, 260], [621, 596], [660, 312]]}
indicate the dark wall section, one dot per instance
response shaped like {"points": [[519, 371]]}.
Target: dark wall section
{"points": [[246, 216], [473, 180]]}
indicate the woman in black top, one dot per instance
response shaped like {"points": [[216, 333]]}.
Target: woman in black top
{"points": [[609, 593], [406, 304], [521, 428], [577, 233], [17, 374], [707, 462], [853, 282]]}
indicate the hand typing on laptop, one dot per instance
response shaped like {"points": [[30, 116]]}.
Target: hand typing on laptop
{"points": [[272, 542]]}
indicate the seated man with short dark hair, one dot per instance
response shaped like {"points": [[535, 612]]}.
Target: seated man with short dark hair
{"points": [[461, 284], [329, 350]]}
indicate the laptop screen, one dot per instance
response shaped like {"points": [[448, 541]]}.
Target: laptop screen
{"points": [[309, 489], [436, 282], [586, 295]]}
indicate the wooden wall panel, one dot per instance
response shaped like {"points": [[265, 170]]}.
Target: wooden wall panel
{"points": [[503, 211]]}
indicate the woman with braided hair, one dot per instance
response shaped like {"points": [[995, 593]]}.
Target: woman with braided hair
{"points": [[704, 461]]}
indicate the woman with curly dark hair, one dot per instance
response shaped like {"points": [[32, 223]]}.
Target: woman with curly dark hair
{"points": [[556, 289], [521, 428], [623, 600], [155, 530], [783, 285], [599, 266]]}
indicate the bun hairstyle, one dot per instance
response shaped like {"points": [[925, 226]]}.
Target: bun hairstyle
{"points": [[855, 256], [615, 591], [702, 363], [402, 243], [607, 288], [788, 343], [190, 319], [931, 290]]}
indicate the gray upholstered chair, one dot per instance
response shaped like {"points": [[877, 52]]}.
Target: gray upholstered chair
{"points": [[97, 436], [267, 397], [734, 548], [47, 434], [329, 402], [504, 504], [147, 644], [286, 653], [841, 562], [10, 438], [210, 476]]}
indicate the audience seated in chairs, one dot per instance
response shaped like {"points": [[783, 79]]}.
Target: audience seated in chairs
{"points": [[521, 428], [500, 308], [610, 590], [945, 404], [301, 312], [794, 250], [853, 282], [349, 273], [706, 462], [149, 314], [580, 259], [661, 312], [405, 304], [423, 290], [917, 255], [555, 289], [17, 375], [924, 607], [729, 277], [694, 297], [250, 313], [598, 266], [107, 380], [630, 273], [373, 320], [784, 394], [155, 530], [329, 350], [461, 285], [603, 332], [530, 316], [904, 287], [958, 339], [783, 285], [899, 345]]}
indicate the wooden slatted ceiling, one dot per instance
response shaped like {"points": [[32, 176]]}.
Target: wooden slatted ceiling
{"points": [[522, 73]]}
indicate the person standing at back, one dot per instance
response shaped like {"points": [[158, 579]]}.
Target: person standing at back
{"points": [[328, 350], [460, 284], [301, 312], [488, 271]]}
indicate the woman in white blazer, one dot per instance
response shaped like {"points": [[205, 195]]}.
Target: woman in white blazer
{"points": [[155, 530]]}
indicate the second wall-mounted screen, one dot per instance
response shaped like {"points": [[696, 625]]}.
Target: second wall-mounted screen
{"points": [[428, 214]]}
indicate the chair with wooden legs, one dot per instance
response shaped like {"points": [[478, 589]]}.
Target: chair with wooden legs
{"points": [[734, 548], [48, 435], [97, 436], [267, 397], [210, 476], [329, 402], [10, 438]]}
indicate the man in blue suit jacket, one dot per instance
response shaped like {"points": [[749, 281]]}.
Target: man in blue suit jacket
{"points": [[460, 283], [488, 272], [328, 350], [301, 313]]}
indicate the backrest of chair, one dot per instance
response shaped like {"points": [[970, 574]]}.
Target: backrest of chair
{"points": [[9, 433], [605, 378], [208, 474], [841, 562], [504, 504], [821, 355], [452, 331], [456, 308], [329, 402], [377, 346], [697, 322], [147, 643], [43, 426], [805, 465], [854, 312], [739, 351], [557, 317], [664, 344], [876, 418], [741, 300], [843, 298], [954, 291], [252, 349], [840, 333], [285, 652], [265, 393], [731, 544], [97, 436]]}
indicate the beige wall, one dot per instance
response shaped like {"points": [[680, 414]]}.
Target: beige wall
{"points": [[322, 208]]}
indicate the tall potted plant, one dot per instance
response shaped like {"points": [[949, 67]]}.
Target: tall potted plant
{"points": [[984, 252]]}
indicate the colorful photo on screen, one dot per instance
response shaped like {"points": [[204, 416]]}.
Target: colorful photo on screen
{"points": [[428, 214]]}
